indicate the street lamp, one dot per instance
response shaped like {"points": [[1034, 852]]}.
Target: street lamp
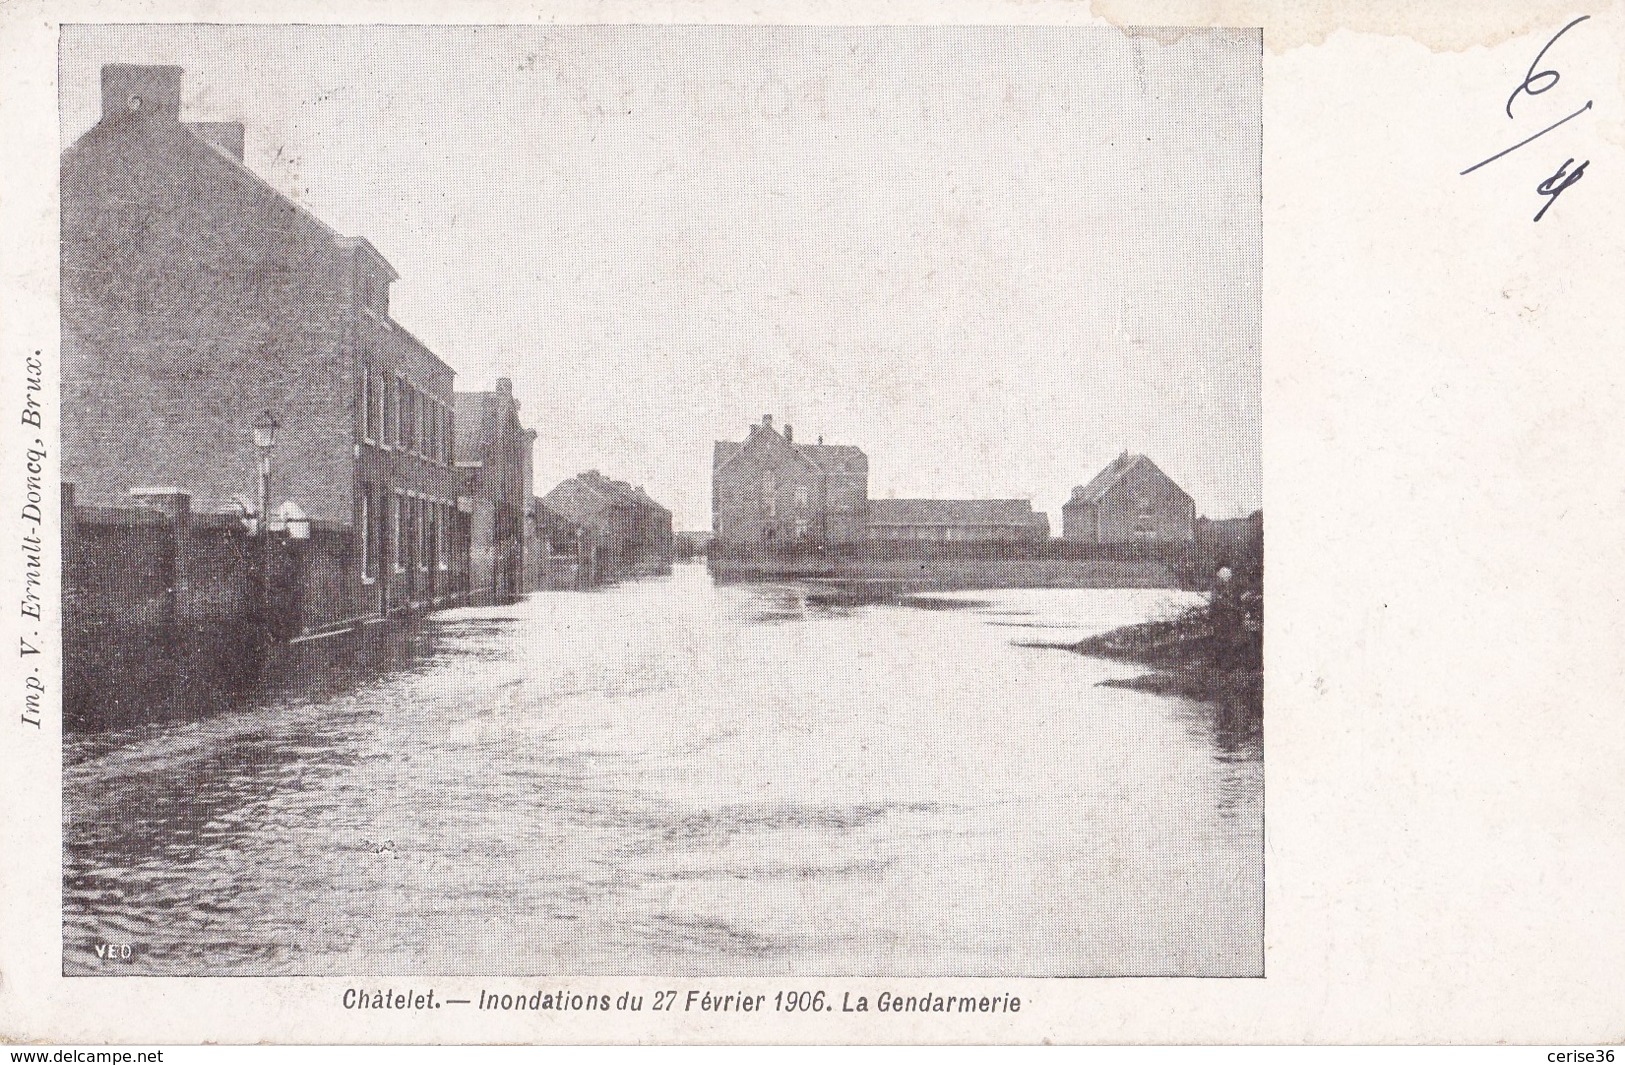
{"points": [[265, 427]]}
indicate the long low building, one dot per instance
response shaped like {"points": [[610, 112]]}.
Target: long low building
{"points": [[957, 520]]}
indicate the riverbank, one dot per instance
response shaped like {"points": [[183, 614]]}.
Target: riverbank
{"points": [[1192, 656]]}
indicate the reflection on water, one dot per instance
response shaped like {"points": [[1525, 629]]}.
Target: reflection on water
{"points": [[678, 777]]}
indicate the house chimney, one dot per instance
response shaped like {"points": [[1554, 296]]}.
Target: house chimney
{"points": [[227, 136], [505, 386], [789, 434], [820, 439], [767, 421], [129, 90]]}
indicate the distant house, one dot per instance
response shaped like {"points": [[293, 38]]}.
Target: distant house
{"points": [[621, 529], [768, 490], [1230, 534], [494, 454], [957, 520], [1234, 542], [1130, 501], [693, 543]]}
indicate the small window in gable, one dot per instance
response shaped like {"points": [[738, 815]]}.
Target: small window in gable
{"points": [[372, 285]]}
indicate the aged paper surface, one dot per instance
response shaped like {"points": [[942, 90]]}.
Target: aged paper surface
{"points": [[439, 732]]}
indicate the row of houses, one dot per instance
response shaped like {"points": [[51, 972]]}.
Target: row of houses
{"points": [[203, 311], [768, 491], [610, 526]]}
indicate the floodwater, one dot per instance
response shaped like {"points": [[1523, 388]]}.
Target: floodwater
{"points": [[677, 777]]}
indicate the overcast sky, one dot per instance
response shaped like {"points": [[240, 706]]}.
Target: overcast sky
{"points": [[992, 258]]}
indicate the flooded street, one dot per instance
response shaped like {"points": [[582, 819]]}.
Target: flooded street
{"points": [[673, 776]]}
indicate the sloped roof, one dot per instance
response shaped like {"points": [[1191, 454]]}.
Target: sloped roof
{"points": [[1103, 481], [575, 503], [998, 512], [546, 512], [584, 498], [834, 458], [648, 501], [188, 132], [825, 458], [1115, 471], [206, 135]]}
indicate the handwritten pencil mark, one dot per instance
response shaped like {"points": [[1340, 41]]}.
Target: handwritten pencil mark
{"points": [[1535, 82], [1576, 114], [1552, 191], [1531, 77]]}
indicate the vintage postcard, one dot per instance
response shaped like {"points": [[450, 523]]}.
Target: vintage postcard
{"points": [[670, 527]]}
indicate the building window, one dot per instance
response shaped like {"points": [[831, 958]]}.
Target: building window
{"points": [[414, 436], [801, 497], [375, 410], [400, 413], [770, 493], [374, 292], [375, 416], [387, 424], [423, 534], [440, 518], [426, 424], [397, 526], [801, 527], [368, 430], [369, 549]]}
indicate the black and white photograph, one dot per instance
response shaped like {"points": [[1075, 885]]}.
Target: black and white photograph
{"points": [[709, 500]]}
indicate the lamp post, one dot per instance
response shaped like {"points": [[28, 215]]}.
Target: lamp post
{"points": [[265, 427]]}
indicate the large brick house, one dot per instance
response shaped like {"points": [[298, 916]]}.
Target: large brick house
{"points": [[1130, 501], [494, 452], [957, 521], [194, 296], [768, 490]]}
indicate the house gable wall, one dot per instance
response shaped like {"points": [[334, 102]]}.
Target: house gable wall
{"points": [[746, 511], [194, 297], [1145, 504]]}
